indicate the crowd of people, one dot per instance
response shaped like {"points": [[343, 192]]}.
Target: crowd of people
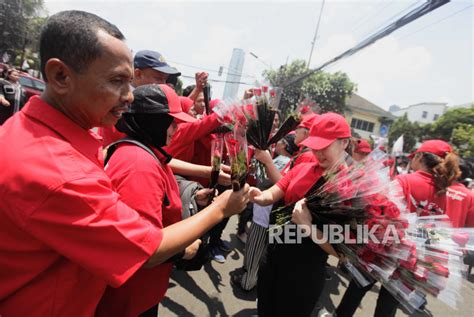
{"points": [[93, 222]]}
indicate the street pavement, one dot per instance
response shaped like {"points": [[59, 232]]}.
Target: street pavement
{"points": [[209, 292]]}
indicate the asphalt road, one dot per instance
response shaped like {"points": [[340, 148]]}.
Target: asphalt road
{"points": [[209, 292]]}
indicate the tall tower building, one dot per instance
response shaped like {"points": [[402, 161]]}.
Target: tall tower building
{"points": [[234, 73]]}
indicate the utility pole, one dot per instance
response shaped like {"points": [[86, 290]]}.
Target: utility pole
{"points": [[315, 35]]}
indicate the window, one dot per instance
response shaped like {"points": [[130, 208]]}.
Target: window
{"points": [[362, 125], [435, 117], [424, 115]]}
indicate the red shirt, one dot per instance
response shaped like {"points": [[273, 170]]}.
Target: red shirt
{"points": [[182, 145], [64, 233], [143, 184], [301, 157], [420, 193], [299, 180], [110, 135]]}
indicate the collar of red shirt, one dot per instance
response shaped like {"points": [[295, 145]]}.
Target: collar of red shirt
{"points": [[85, 141]]}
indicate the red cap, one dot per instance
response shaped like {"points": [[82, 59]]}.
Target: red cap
{"points": [[307, 121], [437, 147], [362, 146], [326, 129], [186, 103], [174, 105]]}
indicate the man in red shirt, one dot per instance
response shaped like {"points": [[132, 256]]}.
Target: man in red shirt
{"points": [[64, 232]]}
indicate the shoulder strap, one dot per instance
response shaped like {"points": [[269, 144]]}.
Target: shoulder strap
{"points": [[111, 150], [112, 147]]}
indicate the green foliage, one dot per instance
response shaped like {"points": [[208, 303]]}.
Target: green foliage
{"points": [[328, 90], [455, 126], [411, 132], [20, 27], [463, 139]]}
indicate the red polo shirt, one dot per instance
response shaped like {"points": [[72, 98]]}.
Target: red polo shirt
{"points": [[143, 184], [420, 193], [299, 158], [64, 233], [299, 180], [182, 145]]}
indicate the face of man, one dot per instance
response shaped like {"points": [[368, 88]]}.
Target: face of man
{"points": [[13, 75], [300, 135], [199, 104], [98, 95], [148, 76]]}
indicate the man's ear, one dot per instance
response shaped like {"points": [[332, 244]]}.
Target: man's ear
{"points": [[58, 75], [137, 74]]}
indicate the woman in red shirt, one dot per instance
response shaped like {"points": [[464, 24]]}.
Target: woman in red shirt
{"points": [[146, 183], [431, 190], [292, 276]]}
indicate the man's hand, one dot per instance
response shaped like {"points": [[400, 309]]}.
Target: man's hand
{"points": [[4, 102], [202, 196], [224, 179], [190, 252], [248, 93], [263, 156], [301, 214], [201, 80], [233, 202]]}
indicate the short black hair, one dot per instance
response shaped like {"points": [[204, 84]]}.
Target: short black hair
{"points": [[71, 36], [188, 90]]}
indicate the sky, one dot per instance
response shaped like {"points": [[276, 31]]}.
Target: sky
{"points": [[429, 60]]}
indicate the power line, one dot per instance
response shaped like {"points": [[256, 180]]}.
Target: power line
{"points": [[436, 22], [221, 81], [212, 70], [396, 16], [425, 8], [368, 18]]}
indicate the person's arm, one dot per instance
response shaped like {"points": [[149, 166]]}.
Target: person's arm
{"points": [[267, 197], [201, 81], [272, 171], [193, 170], [302, 216], [3, 101], [190, 132], [181, 234]]}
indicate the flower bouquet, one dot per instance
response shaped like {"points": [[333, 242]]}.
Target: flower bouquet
{"points": [[217, 147], [411, 256], [236, 144]]}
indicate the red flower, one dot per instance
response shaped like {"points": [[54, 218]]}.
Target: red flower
{"points": [[264, 88], [420, 273], [257, 92], [304, 109], [373, 210], [368, 256], [272, 93], [440, 270], [408, 264], [391, 210], [228, 119]]}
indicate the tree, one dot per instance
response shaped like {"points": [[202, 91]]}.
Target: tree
{"points": [[410, 131], [20, 25], [455, 126], [328, 90]]}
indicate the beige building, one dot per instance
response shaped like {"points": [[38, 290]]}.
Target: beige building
{"points": [[366, 118]]}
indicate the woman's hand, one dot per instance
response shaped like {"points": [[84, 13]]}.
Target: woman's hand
{"points": [[301, 214], [190, 252], [255, 195]]}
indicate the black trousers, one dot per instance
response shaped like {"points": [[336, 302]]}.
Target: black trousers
{"points": [[386, 304], [290, 279]]}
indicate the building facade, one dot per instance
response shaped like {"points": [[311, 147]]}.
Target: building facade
{"points": [[234, 75], [425, 112], [366, 118]]}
